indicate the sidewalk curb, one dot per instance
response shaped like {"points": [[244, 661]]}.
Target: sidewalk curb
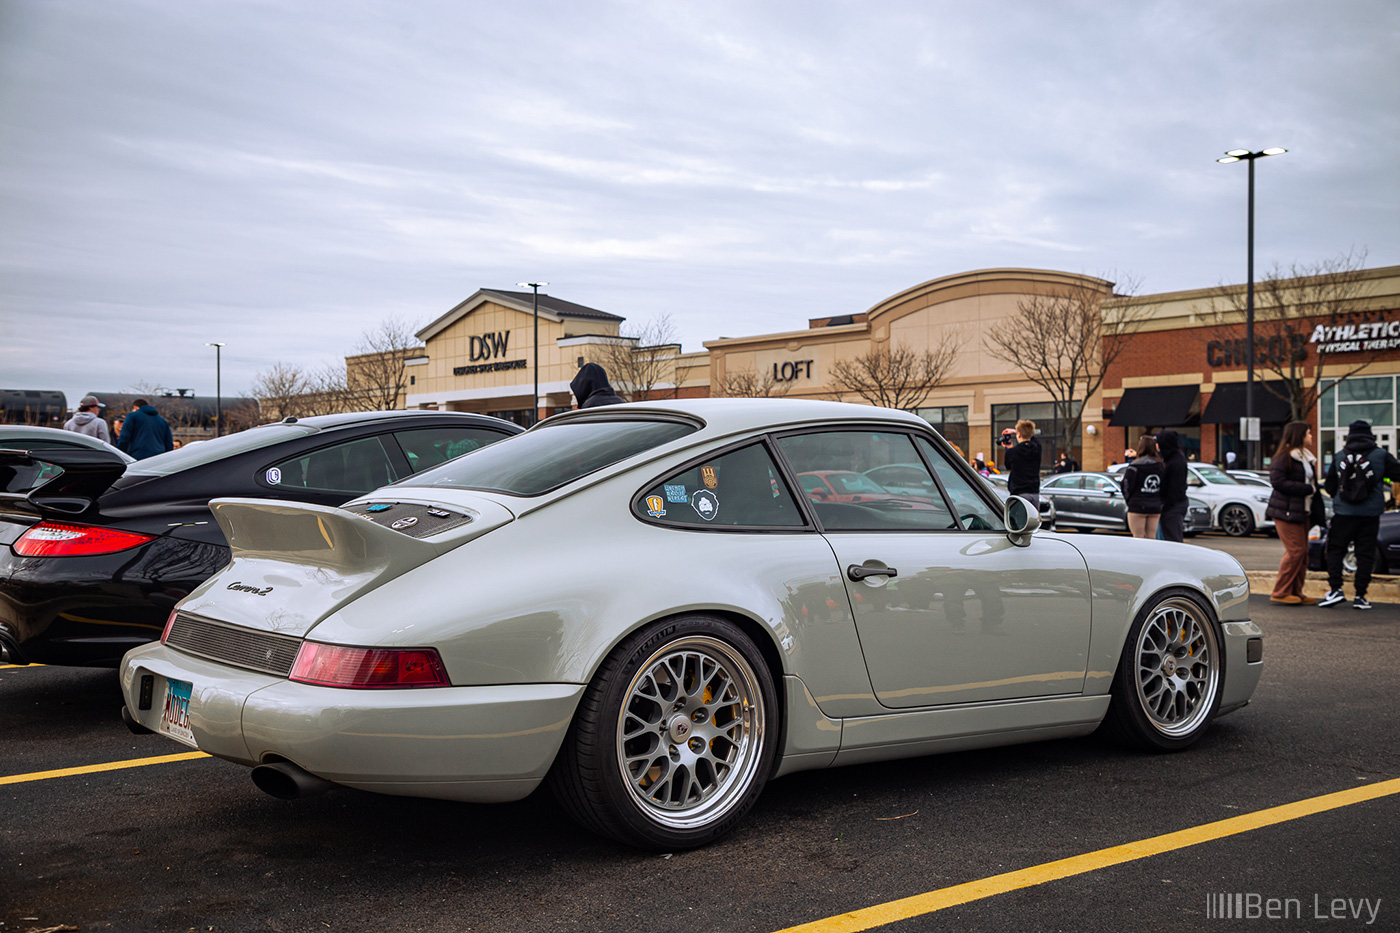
{"points": [[1382, 589]]}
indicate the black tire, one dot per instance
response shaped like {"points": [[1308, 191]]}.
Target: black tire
{"points": [[1158, 702], [1237, 520], [674, 738]]}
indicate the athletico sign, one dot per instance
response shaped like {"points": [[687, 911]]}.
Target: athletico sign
{"points": [[1352, 338]]}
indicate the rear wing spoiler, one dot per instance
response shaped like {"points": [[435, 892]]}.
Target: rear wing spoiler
{"points": [[87, 474]]}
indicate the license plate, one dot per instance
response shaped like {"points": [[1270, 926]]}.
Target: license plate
{"points": [[175, 712]]}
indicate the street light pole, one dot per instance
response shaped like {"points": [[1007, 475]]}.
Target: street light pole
{"points": [[218, 387], [535, 416], [1238, 155]]}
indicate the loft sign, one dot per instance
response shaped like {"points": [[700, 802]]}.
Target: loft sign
{"points": [[1352, 338], [792, 370]]}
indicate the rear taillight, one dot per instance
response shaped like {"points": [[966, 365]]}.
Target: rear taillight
{"points": [[368, 668], [64, 539]]}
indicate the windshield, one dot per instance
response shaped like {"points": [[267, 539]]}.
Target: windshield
{"points": [[1216, 475], [201, 452], [535, 462]]}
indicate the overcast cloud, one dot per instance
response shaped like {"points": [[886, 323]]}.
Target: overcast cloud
{"points": [[282, 176]]}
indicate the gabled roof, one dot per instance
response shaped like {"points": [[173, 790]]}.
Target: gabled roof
{"points": [[551, 308]]}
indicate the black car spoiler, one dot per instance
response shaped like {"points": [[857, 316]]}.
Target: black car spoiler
{"points": [[87, 474]]}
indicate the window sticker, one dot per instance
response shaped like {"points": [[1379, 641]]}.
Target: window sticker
{"points": [[676, 493], [707, 473], [656, 506], [274, 476], [380, 507], [705, 504]]}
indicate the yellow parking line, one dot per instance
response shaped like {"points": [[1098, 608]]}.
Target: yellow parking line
{"points": [[920, 904], [108, 766], [5, 667]]}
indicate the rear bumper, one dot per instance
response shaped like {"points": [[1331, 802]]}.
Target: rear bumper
{"points": [[480, 744]]}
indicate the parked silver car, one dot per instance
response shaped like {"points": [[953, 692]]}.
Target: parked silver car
{"points": [[1088, 500], [639, 606]]}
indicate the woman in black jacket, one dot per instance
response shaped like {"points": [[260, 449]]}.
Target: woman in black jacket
{"points": [[1293, 475], [1142, 487]]}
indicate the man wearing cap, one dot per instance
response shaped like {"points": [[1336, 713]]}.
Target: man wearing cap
{"points": [[1356, 521], [87, 421]]}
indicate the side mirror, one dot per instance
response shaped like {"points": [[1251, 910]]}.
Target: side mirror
{"points": [[1021, 520]]}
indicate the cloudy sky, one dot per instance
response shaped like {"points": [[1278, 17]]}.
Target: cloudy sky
{"points": [[282, 176]]}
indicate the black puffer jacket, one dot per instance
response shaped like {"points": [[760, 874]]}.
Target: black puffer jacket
{"points": [[1289, 500], [1173, 471], [591, 387], [1142, 485]]}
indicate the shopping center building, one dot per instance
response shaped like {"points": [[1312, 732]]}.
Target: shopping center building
{"points": [[1183, 367]]}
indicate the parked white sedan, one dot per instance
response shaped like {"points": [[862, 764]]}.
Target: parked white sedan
{"points": [[640, 606], [1236, 507]]}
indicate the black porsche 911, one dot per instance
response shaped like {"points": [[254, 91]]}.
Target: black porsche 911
{"points": [[93, 560]]}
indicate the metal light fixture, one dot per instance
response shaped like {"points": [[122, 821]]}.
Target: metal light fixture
{"points": [[218, 387], [535, 413], [1244, 155]]}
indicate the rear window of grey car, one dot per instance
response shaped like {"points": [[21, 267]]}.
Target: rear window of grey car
{"points": [[546, 458]]}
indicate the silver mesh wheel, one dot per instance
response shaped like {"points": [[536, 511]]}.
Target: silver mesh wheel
{"points": [[690, 732], [1177, 667]]}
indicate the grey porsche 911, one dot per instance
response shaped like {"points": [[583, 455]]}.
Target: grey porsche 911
{"points": [[642, 607]]}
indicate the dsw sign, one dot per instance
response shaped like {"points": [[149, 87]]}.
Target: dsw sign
{"points": [[489, 346]]}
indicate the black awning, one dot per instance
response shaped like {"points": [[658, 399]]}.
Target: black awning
{"points": [[1226, 405], [1155, 406]]}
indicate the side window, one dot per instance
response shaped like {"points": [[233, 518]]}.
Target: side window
{"points": [[1099, 484], [1063, 482], [740, 488], [355, 467], [974, 513], [850, 496], [427, 447]]}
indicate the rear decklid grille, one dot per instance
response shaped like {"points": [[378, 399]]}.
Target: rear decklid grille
{"points": [[233, 645]]}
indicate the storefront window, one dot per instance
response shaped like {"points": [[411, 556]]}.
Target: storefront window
{"points": [[950, 421], [1048, 428]]}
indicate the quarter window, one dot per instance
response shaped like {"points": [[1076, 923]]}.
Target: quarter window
{"points": [[742, 488], [355, 467], [840, 470]]}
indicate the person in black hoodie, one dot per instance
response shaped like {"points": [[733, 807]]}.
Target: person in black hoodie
{"points": [[1023, 462], [591, 387], [1142, 487], [1173, 521]]}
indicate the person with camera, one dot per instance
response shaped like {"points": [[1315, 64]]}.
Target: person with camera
{"points": [[1022, 460]]}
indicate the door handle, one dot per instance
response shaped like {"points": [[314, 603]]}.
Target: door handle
{"points": [[858, 573]]}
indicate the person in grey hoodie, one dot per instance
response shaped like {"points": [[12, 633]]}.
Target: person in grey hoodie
{"points": [[87, 421]]}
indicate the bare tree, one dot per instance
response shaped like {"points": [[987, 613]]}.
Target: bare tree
{"points": [[1065, 343], [281, 391], [639, 360], [376, 378], [749, 383], [1299, 312], [896, 377]]}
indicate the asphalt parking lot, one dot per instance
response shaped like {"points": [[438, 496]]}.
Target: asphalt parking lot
{"points": [[1068, 835]]}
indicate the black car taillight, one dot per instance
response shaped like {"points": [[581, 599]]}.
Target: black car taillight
{"points": [[67, 539]]}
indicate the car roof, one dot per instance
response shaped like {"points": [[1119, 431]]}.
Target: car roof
{"points": [[721, 416], [29, 434], [330, 422]]}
